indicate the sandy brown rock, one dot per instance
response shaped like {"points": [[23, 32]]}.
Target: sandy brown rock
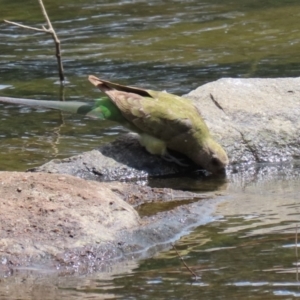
{"points": [[44, 214]]}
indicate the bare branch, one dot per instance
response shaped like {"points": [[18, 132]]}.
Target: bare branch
{"points": [[45, 14], [26, 27], [51, 31]]}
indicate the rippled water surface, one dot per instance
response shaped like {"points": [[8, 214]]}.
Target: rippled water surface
{"points": [[168, 45], [248, 252]]}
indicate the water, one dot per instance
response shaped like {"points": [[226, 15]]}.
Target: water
{"points": [[167, 45], [247, 253], [174, 45]]}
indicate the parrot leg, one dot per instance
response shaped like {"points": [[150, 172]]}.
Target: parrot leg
{"points": [[170, 158], [158, 147]]}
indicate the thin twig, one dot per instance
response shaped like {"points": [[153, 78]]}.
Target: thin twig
{"points": [[296, 250], [24, 26], [51, 31], [56, 41], [187, 267]]}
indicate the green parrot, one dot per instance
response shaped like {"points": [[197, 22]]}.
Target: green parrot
{"points": [[162, 120]]}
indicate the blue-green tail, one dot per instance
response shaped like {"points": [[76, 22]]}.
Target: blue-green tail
{"points": [[102, 108]]}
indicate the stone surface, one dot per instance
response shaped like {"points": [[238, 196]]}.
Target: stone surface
{"points": [[256, 120], [124, 160], [44, 214]]}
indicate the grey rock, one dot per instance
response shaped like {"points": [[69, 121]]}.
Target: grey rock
{"points": [[256, 120], [123, 160]]}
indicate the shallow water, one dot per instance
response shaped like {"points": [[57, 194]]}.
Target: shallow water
{"points": [[248, 252]]}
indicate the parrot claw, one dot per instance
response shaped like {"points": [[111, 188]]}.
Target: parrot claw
{"points": [[170, 158]]}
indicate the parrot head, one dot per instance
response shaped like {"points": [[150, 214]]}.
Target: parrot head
{"points": [[210, 156]]}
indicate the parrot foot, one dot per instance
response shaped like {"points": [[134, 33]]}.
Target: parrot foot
{"points": [[170, 158]]}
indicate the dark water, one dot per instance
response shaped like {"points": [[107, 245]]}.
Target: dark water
{"points": [[174, 45]]}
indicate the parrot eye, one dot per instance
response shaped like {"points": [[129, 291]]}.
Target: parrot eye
{"points": [[215, 162]]}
